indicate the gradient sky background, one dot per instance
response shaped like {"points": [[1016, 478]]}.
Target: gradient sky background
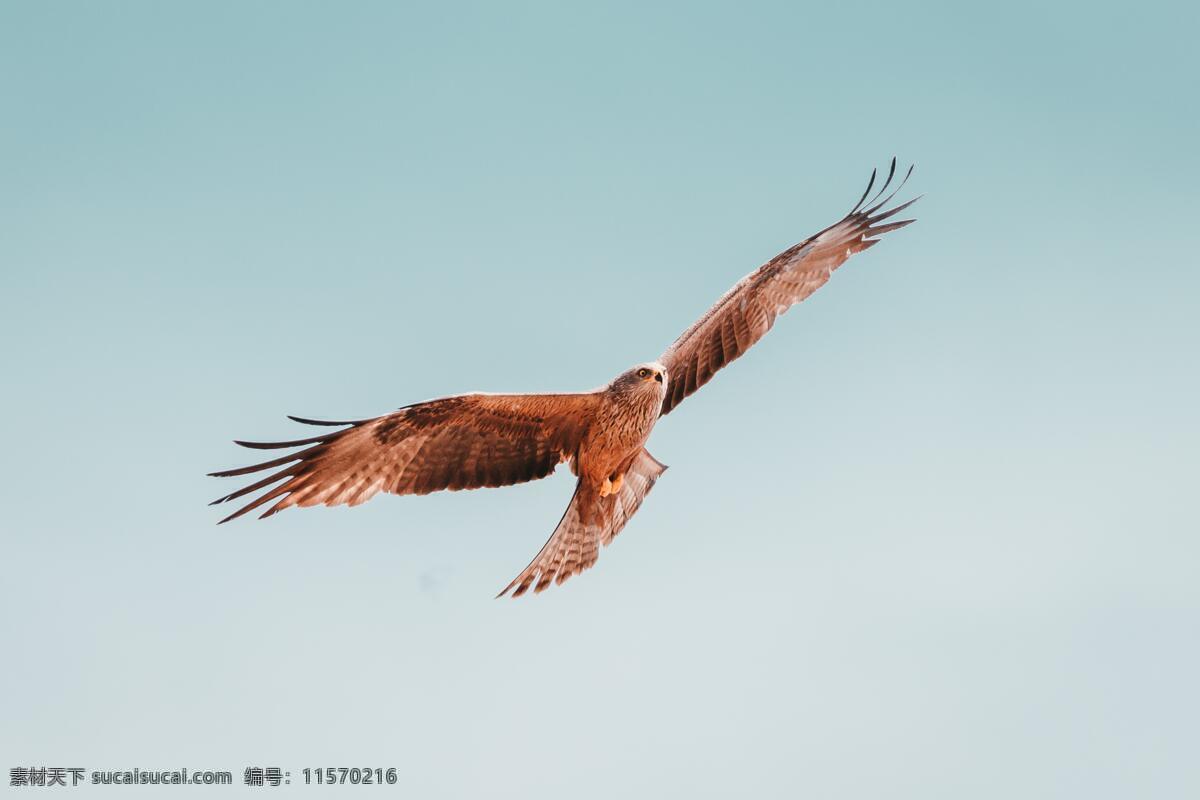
{"points": [[935, 537]]}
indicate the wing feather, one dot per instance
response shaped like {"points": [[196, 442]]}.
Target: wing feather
{"points": [[749, 309], [463, 442]]}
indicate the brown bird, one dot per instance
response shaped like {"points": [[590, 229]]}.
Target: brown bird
{"points": [[475, 440]]}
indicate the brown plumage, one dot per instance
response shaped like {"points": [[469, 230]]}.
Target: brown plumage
{"points": [[748, 310], [486, 440]]}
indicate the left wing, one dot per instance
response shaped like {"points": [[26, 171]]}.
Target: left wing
{"points": [[748, 310]]}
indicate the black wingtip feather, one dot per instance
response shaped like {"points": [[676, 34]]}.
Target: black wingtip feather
{"points": [[888, 199], [262, 483], [256, 502], [886, 184], [275, 462], [324, 422], [281, 445], [880, 230], [866, 192], [891, 212]]}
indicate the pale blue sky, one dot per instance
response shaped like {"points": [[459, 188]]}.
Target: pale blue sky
{"points": [[935, 537]]}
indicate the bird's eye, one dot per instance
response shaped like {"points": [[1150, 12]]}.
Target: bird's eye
{"points": [[643, 372]]}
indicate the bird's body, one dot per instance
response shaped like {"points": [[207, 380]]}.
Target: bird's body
{"points": [[487, 440], [625, 413]]}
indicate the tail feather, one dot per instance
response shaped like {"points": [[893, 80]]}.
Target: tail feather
{"points": [[589, 522]]}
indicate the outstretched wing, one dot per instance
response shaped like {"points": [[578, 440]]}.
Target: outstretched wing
{"points": [[589, 522], [464, 442], [748, 310]]}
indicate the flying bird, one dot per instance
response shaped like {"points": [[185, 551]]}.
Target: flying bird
{"points": [[479, 440]]}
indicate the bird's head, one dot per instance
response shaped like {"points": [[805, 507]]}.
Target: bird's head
{"points": [[651, 376]]}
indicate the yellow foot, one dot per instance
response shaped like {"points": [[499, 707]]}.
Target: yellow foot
{"points": [[610, 486]]}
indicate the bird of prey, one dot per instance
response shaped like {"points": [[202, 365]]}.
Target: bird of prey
{"points": [[479, 440]]}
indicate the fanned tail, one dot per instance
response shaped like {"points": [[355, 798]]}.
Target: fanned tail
{"points": [[590, 521]]}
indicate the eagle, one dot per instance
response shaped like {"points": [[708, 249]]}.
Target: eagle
{"points": [[478, 440]]}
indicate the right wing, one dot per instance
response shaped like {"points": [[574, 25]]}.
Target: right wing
{"points": [[463, 442], [589, 522]]}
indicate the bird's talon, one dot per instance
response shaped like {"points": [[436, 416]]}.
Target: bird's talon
{"points": [[611, 486]]}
